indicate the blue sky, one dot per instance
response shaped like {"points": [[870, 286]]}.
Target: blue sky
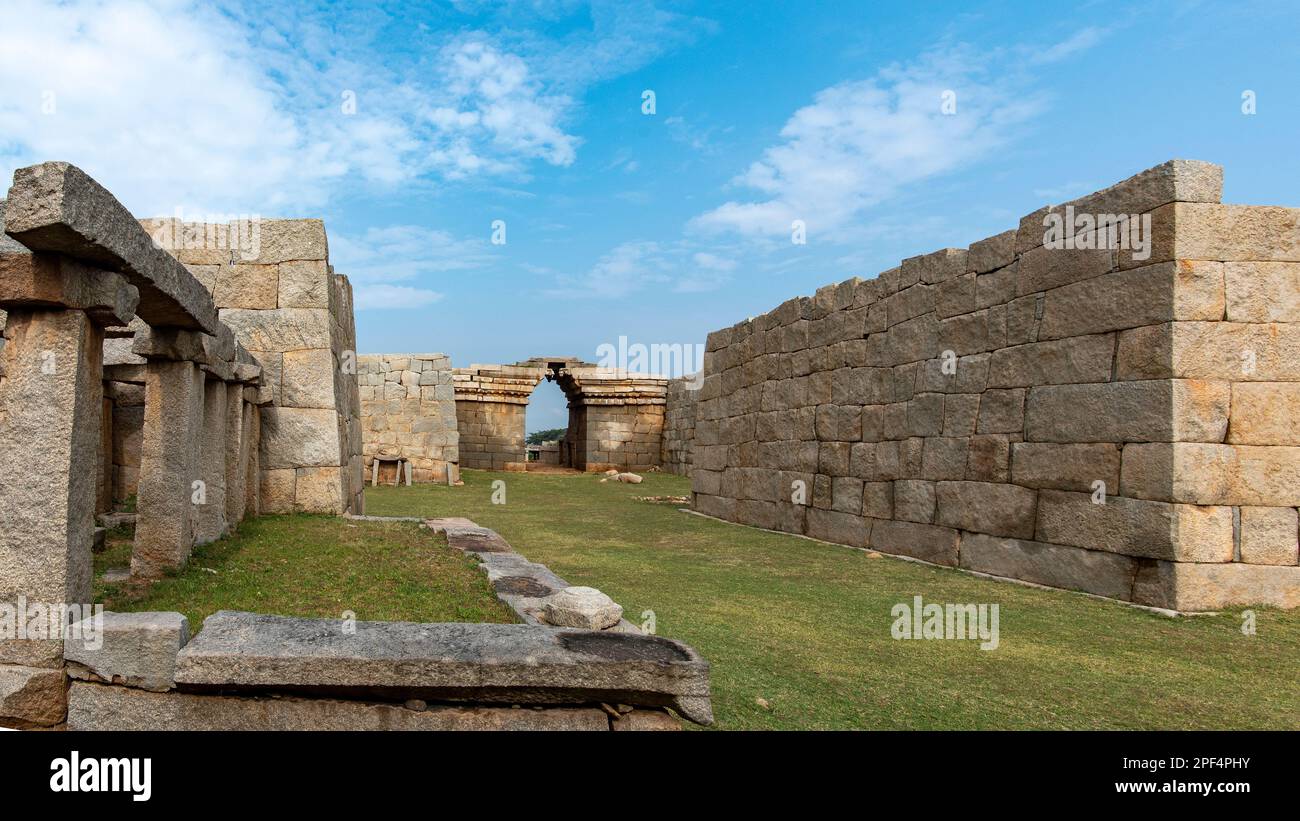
{"points": [[658, 227]]}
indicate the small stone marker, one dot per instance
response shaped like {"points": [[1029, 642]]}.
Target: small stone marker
{"points": [[584, 607]]}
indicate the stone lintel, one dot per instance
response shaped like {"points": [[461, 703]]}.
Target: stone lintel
{"points": [[133, 374], [53, 281], [180, 344], [57, 207]]}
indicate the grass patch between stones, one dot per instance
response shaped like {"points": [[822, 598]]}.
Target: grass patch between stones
{"points": [[314, 567]]}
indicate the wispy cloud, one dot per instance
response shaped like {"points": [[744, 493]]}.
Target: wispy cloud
{"points": [[379, 257]]}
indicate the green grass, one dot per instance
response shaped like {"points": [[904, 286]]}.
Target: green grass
{"points": [[805, 626], [317, 567]]}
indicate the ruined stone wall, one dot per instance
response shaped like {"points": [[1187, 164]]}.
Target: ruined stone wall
{"points": [[626, 437], [491, 413], [276, 290], [408, 403], [679, 425], [1079, 417], [127, 428]]}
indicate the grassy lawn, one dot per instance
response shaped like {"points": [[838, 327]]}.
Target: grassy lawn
{"points": [[314, 566], [804, 627]]}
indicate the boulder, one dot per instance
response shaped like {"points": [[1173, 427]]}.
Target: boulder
{"points": [[584, 607]]}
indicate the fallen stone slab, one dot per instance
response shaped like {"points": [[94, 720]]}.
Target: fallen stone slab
{"points": [[55, 206], [583, 607], [112, 520], [134, 649], [480, 663], [102, 707]]}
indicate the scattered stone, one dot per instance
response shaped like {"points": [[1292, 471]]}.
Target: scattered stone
{"points": [[418, 705], [584, 607], [135, 649]]}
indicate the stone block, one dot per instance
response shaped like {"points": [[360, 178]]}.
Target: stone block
{"points": [[1002, 411], [878, 500], [1136, 527], [938, 266], [137, 650], [280, 330], [285, 240], [100, 707], [318, 490], [1265, 413], [1212, 474], [1160, 410], [583, 607], [299, 437], [31, 697], [914, 501], [988, 457], [841, 528], [247, 286], [1054, 565], [307, 379], [1196, 587], [50, 281], [1211, 350], [1268, 535], [930, 543], [1166, 291], [1065, 466], [502, 663], [1236, 233], [992, 253], [1062, 361], [304, 284], [278, 490], [1262, 291], [1043, 268], [986, 507]]}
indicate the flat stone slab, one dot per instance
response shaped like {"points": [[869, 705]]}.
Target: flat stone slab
{"points": [[101, 707], [134, 649], [57, 207], [482, 663]]}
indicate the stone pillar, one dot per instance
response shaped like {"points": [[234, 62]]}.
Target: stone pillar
{"points": [[50, 415], [104, 492], [252, 444], [169, 465], [236, 456], [210, 506]]}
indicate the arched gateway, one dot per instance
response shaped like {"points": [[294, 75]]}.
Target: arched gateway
{"points": [[615, 418]]}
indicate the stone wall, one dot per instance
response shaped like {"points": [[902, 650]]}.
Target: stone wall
{"points": [[491, 413], [1062, 413], [274, 286], [408, 403], [675, 454]]}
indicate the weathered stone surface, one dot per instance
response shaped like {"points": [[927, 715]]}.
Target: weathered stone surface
{"points": [[55, 206], [1191, 587], [645, 720], [247, 286], [280, 330], [992, 253], [299, 437], [287, 240], [1002, 411], [583, 607], [1265, 413], [1072, 568], [1061, 361], [1158, 410], [1174, 290], [1135, 527], [1211, 350], [1222, 232], [1065, 466], [170, 462], [914, 501], [52, 280], [502, 663], [51, 410], [988, 457], [304, 284], [1262, 291], [278, 490], [841, 528], [1210, 474], [177, 343], [986, 507], [920, 541], [308, 379], [31, 696], [137, 650], [100, 707], [318, 490], [1268, 535]]}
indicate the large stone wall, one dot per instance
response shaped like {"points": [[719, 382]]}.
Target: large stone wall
{"points": [[675, 455], [1079, 417], [491, 413], [274, 286], [408, 403]]}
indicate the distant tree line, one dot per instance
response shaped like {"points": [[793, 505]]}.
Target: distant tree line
{"points": [[539, 436]]}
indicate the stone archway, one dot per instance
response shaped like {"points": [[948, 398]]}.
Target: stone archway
{"points": [[615, 418]]}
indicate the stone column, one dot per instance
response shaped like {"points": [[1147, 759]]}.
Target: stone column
{"points": [[169, 465], [104, 493], [210, 505], [50, 416], [236, 456], [252, 444]]}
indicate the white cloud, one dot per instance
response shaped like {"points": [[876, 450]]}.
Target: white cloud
{"points": [[379, 257], [637, 266], [859, 142], [376, 296], [174, 104]]}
